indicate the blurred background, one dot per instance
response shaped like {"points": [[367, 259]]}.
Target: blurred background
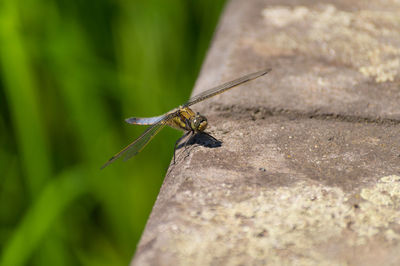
{"points": [[70, 72]]}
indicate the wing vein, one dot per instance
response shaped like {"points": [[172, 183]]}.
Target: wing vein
{"points": [[137, 145], [224, 87]]}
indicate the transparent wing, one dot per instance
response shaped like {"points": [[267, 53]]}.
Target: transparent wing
{"points": [[143, 140], [144, 121], [224, 87], [136, 146]]}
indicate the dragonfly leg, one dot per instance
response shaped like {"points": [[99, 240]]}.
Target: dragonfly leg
{"points": [[187, 141], [177, 142]]}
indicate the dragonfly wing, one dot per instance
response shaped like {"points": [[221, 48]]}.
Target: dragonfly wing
{"points": [[136, 146], [224, 87], [143, 140], [144, 121]]}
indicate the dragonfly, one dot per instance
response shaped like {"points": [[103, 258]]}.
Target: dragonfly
{"points": [[182, 118]]}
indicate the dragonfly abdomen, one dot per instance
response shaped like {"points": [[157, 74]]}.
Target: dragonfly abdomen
{"points": [[144, 121]]}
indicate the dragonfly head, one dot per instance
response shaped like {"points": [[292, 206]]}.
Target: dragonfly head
{"points": [[199, 123]]}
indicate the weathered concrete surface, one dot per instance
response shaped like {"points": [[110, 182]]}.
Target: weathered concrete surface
{"points": [[309, 169]]}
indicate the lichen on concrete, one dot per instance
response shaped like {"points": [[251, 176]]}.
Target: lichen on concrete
{"points": [[302, 220], [380, 209], [365, 39]]}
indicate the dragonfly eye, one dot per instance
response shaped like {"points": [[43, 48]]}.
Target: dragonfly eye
{"points": [[199, 123]]}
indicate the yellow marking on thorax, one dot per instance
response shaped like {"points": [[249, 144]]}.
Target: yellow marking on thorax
{"points": [[178, 122], [187, 113]]}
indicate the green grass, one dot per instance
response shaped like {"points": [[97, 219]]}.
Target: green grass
{"points": [[70, 72]]}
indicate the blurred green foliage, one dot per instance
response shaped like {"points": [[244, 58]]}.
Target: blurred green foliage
{"points": [[70, 72]]}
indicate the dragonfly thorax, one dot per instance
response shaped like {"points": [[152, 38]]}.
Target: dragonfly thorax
{"points": [[198, 123]]}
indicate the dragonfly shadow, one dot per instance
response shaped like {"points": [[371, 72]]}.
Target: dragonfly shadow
{"points": [[202, 139], [189, 143]]}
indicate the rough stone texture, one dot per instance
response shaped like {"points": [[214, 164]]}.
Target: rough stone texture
{"points": [[309, 169]]}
